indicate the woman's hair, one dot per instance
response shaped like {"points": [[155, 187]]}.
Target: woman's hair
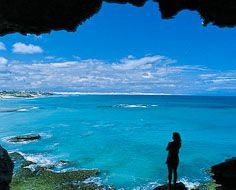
{"points": [[177, 138]]}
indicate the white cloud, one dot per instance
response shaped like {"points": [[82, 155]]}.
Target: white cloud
{"points": [[224, 80], [50, 57], [2, 46], [168, 70], [130, 62], [26, 49], [156, 74], [3, 60], [220, 81]]}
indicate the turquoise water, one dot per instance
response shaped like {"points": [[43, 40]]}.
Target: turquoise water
{"points": [[124, 136]]}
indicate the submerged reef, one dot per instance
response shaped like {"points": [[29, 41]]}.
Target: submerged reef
{"points": [[29, 175], [42, 16]]}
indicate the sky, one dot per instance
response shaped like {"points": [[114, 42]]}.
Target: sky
{"points": [[124, 49]]}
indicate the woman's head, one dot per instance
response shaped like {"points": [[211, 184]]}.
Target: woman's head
{"points": [[176, 137]]}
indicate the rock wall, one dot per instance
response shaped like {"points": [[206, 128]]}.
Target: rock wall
{"points": [[224, 174], [6, 169], [42, 16]]}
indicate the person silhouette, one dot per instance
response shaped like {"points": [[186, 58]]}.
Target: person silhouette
{"points": [[173, 158]]}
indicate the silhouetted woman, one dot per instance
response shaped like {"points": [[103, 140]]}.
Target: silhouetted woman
{"points": [[173, 157]]}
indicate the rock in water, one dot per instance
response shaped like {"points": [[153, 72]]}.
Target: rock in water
{"points": [[22, 138], [224, 174], [6, 169], [179, 186]]}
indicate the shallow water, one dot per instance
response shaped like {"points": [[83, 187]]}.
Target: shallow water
{"points": [[124, 136]]}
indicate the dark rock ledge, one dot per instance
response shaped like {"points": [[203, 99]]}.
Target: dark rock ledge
{"points": [[179, 186], [224, 174], [25, 138], [6, 169]]}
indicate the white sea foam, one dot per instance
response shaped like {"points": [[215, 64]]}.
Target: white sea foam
{"points": [[189, 184], [47, 162], [20, 109], [23, 109], [9, 109], [45, 135], [148, 186], [54, 145], [154, 105], [32, 167], [134, 105], [27, 109], [96, 180], [39, 159]]}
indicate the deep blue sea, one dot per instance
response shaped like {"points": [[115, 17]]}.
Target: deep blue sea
{"points": [[124, 136]]}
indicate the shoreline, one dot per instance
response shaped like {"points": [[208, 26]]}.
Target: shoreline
{"points": [[33, 170], [35, 94], [93, 178]]}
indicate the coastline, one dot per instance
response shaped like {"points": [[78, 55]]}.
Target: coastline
{"points": [[29, 174], [22, 94]]}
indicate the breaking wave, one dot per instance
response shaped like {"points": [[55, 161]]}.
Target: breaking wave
{"points": [[20, 109], [129, 106]]}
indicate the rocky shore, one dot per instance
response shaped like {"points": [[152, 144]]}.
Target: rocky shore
{"points": [[224, 174], [29, 175], [6, 169]]}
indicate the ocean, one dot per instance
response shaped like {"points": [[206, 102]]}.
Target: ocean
{"points": [[124, 136]]}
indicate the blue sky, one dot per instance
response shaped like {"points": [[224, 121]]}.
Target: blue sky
{"points": [[124, 49]]}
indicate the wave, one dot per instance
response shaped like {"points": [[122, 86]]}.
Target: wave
{"points": [[39, 159], [45, 135], [132, 106], [148, 186], [20, 109], [95, 180], [50, 163], [27, 109], [44, 161], [129, 106], [189, 184]]}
